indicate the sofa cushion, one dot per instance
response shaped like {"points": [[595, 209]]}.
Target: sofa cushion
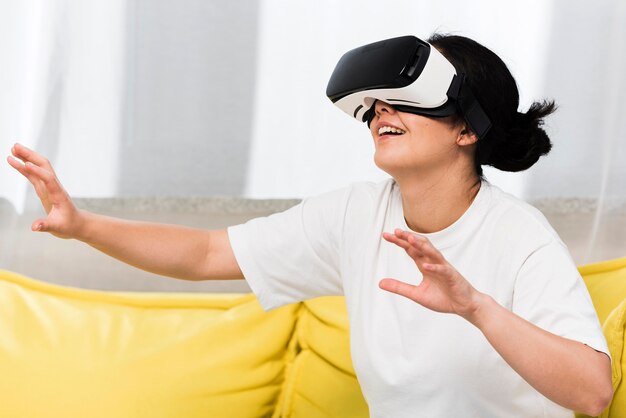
{"points": [[68, 353], [615, 331], [606, 282], [321, 381]]}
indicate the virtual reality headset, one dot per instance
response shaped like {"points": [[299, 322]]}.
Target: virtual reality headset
{"points": [[408, 74]]}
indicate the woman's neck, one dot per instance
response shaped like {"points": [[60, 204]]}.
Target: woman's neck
{"points": [[431, 205]]}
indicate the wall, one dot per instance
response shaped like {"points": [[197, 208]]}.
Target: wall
{"points": [[72, 263]]}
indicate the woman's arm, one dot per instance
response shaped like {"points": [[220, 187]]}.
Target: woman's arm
{"points": [[169, 250], [565, 371], [568, 372]]}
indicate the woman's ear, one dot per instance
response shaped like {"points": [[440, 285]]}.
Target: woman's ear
{"points": [[466, 136]]}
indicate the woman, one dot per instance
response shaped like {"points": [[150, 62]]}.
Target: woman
{"points": [[480, 310]]}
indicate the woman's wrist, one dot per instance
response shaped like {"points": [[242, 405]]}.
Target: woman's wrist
{"points": [[483, 309], [81, 226]]}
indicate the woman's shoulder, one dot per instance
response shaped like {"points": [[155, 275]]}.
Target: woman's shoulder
{"points": [[517, 215], [359, 199], [373, 188], [363, 192]]}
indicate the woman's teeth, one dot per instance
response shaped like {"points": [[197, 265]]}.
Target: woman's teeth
{"points": [[388, 129]]}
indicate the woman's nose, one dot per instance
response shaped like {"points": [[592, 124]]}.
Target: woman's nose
{"points": [[381, 107]]}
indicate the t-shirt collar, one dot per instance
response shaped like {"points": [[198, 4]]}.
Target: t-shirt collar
{"points": [[459, 228]]}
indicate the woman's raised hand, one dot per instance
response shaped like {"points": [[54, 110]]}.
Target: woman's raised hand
{"points": [[63, 218], [443, 288]]}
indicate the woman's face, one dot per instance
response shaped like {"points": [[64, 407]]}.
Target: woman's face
{"points": [[406, 143]]}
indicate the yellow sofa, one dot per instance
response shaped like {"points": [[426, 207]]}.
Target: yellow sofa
{"points": [[68, 352]]}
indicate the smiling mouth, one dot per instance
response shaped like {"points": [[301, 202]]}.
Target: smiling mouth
{"points": [[390, 131]]}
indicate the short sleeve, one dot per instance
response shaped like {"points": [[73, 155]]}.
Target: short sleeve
{"points": [[294, 255], [550, 293]]}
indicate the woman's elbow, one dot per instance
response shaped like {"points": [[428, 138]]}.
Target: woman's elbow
{"points": [[599, 403], [602, 392]]}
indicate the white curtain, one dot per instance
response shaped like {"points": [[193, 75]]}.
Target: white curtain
{"points": [[61, 90], [608, 228]]}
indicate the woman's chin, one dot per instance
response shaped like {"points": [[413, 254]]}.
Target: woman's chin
{"points": [[389, 164]]}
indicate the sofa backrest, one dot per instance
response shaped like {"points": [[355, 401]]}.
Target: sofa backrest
{"points": [[77, 353]]}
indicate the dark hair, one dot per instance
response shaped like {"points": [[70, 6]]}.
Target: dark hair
{"points": [[516, 140]]}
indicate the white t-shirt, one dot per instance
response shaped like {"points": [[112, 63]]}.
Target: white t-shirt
{"points": [[410, 361]]}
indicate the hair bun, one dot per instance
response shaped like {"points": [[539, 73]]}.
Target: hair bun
{"points": [[525, 140], [516, 140]]}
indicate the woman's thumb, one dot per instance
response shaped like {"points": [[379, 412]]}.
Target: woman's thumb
{"points": [[39, 226]]}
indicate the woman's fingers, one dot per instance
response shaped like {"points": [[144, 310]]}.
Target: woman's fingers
{"points": [[437, 269], [44, 181], [415, 293], [442, 289], [41, 173], [31, 177], [417, 247], [425, 247], [402, 243], [35, 167], [51, 190], [38, 226], [28, 155], [62, 214], [399, 288], [13, 162]]}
